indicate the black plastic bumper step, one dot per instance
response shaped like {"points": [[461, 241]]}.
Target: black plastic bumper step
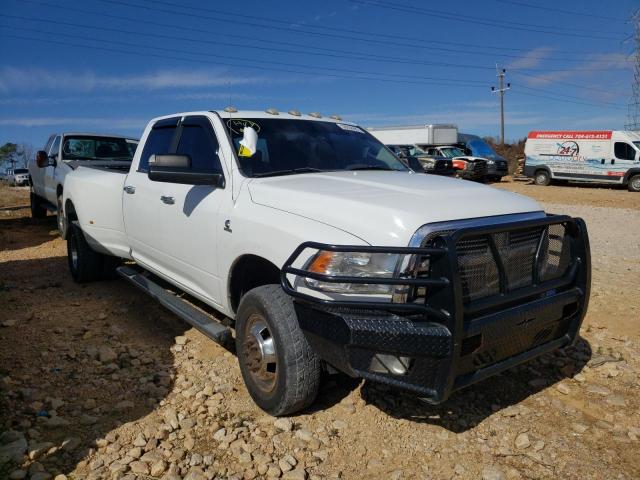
{"points": [[208, 325]]}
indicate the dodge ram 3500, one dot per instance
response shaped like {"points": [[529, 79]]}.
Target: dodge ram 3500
{"points": [[324, 250]]}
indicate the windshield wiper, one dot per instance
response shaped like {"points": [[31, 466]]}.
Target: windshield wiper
{"points": [[372, 167], [288, 172]]}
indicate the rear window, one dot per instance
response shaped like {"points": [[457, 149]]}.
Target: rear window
{"points": [[87, 147]]}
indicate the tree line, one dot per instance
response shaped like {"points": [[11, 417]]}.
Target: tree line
{"points": [[15, 155]]}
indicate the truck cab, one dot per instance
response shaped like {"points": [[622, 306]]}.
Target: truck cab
{"points": [[466, 166]]}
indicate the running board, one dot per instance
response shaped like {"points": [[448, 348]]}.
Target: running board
{"points": [[211, 327]]}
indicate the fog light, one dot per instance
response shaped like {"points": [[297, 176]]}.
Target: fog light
{"points": [[385, 363]]}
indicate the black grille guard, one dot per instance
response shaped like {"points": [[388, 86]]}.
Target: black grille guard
{"points": [[445, 298], [442, 317]]}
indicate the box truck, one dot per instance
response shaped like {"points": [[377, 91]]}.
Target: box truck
{"points": [[434, 134], [611, 156]]}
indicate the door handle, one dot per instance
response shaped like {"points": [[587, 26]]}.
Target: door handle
{"points": [[130, 189], [168, 200]]}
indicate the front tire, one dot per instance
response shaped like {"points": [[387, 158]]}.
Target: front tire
{"points": [[85, 264], [634, 183], [279, 367], [37, 210], [542, 178]]}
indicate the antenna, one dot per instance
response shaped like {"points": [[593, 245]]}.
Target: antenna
{"points": [[633, 109]]}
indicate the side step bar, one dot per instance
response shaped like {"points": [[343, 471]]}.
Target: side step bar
{"points": [[194, 317]]}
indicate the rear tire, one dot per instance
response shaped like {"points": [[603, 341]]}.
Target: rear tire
{"points": [[85, 264], [542, 178], [37, 210], [279, 367], [61, 219], [634, 183]]}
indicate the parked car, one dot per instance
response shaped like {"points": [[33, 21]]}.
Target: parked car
{"points": [[19, 177], [497, 166], [61, 155], [610, 157], [466, 166], [326, 251], [429, 163], [6, 175]]}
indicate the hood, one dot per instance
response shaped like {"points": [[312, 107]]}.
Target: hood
{"points": [[384, 208]]}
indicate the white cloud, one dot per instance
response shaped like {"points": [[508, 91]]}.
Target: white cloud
{"points": [[32, 79], [531, 59], [593, 66], [78, 123]]}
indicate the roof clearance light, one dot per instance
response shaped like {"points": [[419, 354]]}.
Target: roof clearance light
{"points": [[336, 117], [315, 115], [295, 113], [272, 111], [231, 109]]}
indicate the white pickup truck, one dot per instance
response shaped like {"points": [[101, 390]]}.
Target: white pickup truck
{"points": [[61, 155], [325, 252]]}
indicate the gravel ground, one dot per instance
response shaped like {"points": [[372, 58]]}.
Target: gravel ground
{"points": [[98, 381]]}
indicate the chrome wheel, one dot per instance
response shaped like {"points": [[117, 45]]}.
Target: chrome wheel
{"points": [[73, 253], [259, 353], [62, 222], [635, 183]]}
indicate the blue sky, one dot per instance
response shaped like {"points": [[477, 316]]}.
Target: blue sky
{"points": [[111, 65]]}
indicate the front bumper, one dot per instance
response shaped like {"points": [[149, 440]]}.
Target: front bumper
{"points": [[497, 169], [445, 344]]}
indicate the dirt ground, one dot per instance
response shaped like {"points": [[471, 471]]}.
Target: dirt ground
{"points": [[98, 381]]}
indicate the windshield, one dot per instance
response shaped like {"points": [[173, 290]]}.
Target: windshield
{"points": [[480, 148], [20, 170], [286, 147], [451, 152], [87, 147]]}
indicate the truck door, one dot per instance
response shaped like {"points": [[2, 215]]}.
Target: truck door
{"points": [[49, 184], [624, 158], [141, 201], [189, 213]]}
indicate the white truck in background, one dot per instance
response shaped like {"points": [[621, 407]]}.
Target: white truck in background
{"points": [[429, 134], [324, 250], [609, 156], [61, 155]]}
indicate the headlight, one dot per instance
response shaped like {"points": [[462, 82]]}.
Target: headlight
{"points": [[352, 264], [490, 162]]}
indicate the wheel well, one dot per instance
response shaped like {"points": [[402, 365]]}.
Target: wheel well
{"points": [[546, 170], [250, 271], [70, 211], [632, 172]]}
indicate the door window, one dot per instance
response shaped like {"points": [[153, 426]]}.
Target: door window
{"points": [[199, 142], [55, 148], [158, 142], [624, 151]]}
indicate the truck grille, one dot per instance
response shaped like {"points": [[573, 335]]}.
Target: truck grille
{"points": [[479, 168], [480, 260]]}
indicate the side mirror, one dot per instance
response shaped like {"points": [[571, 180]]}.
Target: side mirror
{"points": [[42, 159], [177, 169]]}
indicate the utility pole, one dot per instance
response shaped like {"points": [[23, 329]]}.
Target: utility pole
{"points": [[633, 114], [500, 90]]}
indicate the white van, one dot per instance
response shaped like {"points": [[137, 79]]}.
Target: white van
{"points": [[611, 156]]}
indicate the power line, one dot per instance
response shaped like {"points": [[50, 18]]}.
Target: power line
{"points": [[478, 20], [139, 21], [329, 28], [559, 10], [225, 57], [533, 89], [633, 112], [218, 63]]}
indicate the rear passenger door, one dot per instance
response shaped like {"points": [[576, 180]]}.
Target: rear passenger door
{"points": [[189, 214]]}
